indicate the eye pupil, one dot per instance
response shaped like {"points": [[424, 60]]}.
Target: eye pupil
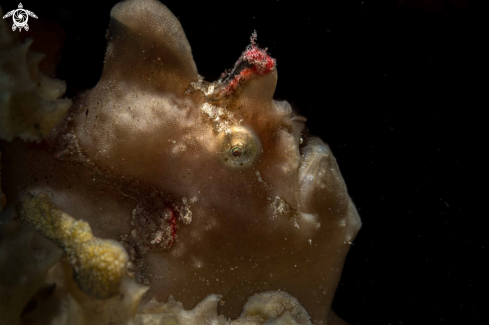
{"points": [[237, 152]]}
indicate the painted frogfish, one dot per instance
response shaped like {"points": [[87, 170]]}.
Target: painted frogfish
{"points": [[159, 198]]}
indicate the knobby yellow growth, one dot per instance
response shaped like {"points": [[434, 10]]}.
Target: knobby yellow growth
{"points": [[98, 264]]}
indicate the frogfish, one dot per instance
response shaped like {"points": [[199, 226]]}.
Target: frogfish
{"points": [[160, 198]]}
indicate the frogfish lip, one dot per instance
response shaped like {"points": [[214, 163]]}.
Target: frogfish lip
{"points": [[312, 169]]}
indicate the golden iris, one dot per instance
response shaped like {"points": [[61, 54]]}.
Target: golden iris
{"points": [[240, 147]]}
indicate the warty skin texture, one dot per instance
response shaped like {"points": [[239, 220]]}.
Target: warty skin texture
{"points": [[152, 144]]}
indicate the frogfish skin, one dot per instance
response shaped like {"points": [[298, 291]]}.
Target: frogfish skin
{"points": [[212, 188]]}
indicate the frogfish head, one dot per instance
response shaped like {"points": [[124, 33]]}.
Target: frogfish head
{"points": [[234, 196]]}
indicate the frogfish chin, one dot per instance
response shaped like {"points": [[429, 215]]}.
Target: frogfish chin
{"points": [[160, 196]]}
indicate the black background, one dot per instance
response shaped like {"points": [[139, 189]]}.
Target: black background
{"points": [[398, 93]]}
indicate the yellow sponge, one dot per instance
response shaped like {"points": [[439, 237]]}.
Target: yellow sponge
{"points": [[98, 264]]}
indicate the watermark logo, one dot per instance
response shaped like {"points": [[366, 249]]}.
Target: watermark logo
{"points": [[20, 17]]}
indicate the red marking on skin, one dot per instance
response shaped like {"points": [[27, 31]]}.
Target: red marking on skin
{"points": [[172, 221], [261, 64]]}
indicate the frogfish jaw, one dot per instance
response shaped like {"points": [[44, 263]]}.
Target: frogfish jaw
{"points": [[323, 197]]}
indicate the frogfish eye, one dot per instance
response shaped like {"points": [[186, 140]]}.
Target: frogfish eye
{"points": [[240, 147], [237, 152]]}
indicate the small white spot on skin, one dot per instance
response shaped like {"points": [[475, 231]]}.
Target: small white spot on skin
{"points": [[197, 263], [342, 223], [220, 115], [260, 179], [185, 212], [279, 207]]}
